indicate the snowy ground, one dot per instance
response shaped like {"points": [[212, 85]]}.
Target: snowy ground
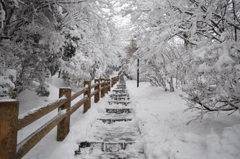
{"points": [[162, 121]]}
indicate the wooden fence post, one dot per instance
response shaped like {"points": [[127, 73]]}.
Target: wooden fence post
{"points": [[96, 96], [87, 104], [119, 73], [109, 85], [105, 86], [112, 82], [64, 126], [8, 129], [102, 91]]}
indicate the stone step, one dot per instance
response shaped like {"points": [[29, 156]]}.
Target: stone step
{"points": [[120, 98], [122, 84], [119, 111], [115, 132], [107, 150], [121, 87], [122, 155], [119, 95], [120, 91], [103, 146], [109, 121], [116, 116], [119, 102]]}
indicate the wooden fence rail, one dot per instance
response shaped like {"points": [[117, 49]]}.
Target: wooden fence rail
{"points": [[10, 124]]}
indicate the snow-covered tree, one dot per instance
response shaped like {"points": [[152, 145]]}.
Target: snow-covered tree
{"points": [[214, 79], [97, 49], [129, 60], [159, 49], [208, 62], [39, 39], [29, 35]]}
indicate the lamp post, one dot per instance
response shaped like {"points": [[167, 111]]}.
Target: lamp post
{"points": [[138, 72]]}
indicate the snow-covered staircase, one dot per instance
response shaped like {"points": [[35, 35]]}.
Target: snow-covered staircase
{"points": [[115, 135]]}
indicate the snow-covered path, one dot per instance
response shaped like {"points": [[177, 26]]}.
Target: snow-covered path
{"points": [[115, 134]]}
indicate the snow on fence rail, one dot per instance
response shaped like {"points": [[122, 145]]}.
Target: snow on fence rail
{"points": [[10, 123]]}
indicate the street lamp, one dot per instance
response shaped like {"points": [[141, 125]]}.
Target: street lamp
{"points": [[138, 72]]}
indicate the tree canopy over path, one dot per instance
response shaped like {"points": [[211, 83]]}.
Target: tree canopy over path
{"points": [[193, 44]]}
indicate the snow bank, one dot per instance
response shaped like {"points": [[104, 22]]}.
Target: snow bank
{"points": [[190, 145], [167, 135]]}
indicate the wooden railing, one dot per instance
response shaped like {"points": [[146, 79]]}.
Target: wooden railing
{"points": [[10, 124]]}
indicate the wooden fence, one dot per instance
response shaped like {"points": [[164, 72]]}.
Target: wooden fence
{"points": [[10, 124]]}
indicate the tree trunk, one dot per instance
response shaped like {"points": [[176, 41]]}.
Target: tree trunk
{"points": [[164, 85], [59, 74], [171, 85], [234, 14]]}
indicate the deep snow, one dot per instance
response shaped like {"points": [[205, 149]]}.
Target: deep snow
{"points": [[162, 121], [167, 135]]}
